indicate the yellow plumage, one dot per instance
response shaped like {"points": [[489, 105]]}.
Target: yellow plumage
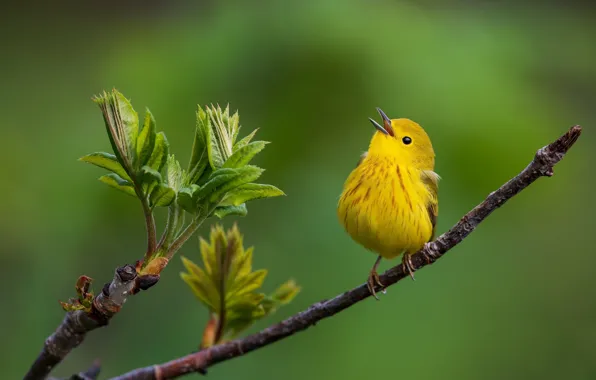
{"points": [[389, 203]]}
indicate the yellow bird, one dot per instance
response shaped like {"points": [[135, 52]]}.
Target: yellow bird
{"points": [[389, 202]]}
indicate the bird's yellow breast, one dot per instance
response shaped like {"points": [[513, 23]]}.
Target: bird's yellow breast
{"points": [[384, 207]]}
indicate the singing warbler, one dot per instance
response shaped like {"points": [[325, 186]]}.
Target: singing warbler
{"points": [[389, 202]]}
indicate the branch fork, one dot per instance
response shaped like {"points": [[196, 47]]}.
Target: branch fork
{"points": [[219, 181]]}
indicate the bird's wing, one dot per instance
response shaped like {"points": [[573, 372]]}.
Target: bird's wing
{"points": [[431, 181]]}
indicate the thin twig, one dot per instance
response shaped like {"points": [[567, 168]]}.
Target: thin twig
{"points": [[151, 232], [173, 225], [149, 223], [92, 373], [170, 227], [192, 227], [542, 165]]}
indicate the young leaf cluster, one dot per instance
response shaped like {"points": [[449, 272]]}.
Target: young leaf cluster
{"points": [[219, 175], [218, 181], [84, 296], [229, 288], [140, 153]]}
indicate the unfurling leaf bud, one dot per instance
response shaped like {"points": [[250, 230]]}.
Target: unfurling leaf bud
{"points": [[228, 286]]}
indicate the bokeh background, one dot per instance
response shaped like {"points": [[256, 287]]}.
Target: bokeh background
{"points": [[490, 81]]}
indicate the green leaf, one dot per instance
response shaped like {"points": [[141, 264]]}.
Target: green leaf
{"points": [[162, 196], [246, 284], [122, 125], [187, 198], [194, 176], [286, 292], [82, 287], [200, 284], [282, 296], [208, 253], [130, 122], [243, 155], [224, 211], [115, 181], [199, 157], [174, 173], [245, 140], [146, 139], [103, 101], [225, 117], [73, 305], [222, 136], [222, 171], [214, 151], [234, 123], [160, 152], [245, 174], [106, 161], [150, 176], [217, 179], [228, 276], [84, 300], [241, 265], [250, 191], [238, 324], [245, 304]]}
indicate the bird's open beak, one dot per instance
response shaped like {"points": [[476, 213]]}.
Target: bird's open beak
{"points": [[386, 128]]}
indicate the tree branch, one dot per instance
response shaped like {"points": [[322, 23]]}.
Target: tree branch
{"points": [[542, 165], [76, 324], [92, 373]]}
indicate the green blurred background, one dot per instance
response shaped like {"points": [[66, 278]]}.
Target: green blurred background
{"points": [[490, 81]]}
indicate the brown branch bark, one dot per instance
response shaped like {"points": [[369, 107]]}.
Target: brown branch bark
{"points": [[76, 324], [541, 166], [92, 373]]}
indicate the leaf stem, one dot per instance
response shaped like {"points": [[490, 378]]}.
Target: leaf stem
{"points": [[149, 222], [223, 272], [172, 226], [162, 239], [151, 233], [184, 236]]}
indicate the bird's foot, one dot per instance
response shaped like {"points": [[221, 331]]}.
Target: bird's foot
{"points": [[373, 281], [427, 257], [408, 265]]}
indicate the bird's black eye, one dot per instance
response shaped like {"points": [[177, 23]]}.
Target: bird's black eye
{"points": [[407, 140]]}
